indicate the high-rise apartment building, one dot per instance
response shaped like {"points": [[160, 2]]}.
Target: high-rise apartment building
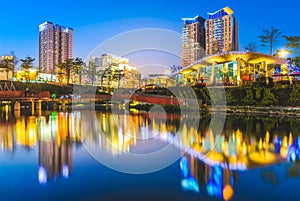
{"points": [[221, 32], [55, 46], [193, 40]]}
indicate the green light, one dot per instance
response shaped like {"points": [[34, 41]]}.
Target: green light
{"points": [[53, 115]]}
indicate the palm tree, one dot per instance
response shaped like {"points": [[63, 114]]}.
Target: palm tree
{"points": [[78, 68], [117, 75], [65, 69], [251, 47], [293, 42], [106, 73], [27, 64], [269, 38], [68, 66]]}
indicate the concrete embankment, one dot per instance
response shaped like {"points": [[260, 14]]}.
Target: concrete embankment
{"points": [[271, 110]]}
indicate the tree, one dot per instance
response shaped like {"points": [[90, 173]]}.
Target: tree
{"points": [[78, 68], [117, 75], [65, 69], [269, 38], [60, 72], [27, 64], [106, 73], [68, 66], [251, 47], [293, 42]]}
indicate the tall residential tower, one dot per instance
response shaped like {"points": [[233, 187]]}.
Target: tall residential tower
{"points": [[55, 46], [221, 32], [193, 40]]}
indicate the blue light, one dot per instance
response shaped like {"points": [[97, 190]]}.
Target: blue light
{"points": [[190, 184], [214, 190], [214, 187], [42, 175], [184, 167], [278, 145], [65, 171], [277, 70]]}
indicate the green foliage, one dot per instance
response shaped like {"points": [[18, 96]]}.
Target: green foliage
{"points": [[204, 95], [255, 96], [293, 42], [248, 99], [282, 95], [27, 64], [217, 96], [69, 68], [294, 99], [268, 98]]}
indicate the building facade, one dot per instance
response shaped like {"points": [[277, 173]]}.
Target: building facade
{"points": [[55, 46], [193, 40], [7, 66], [221, 32], [112, 71], [234, 68]]}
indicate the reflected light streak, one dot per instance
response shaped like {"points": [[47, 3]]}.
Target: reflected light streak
{"points": [[42, 175]]}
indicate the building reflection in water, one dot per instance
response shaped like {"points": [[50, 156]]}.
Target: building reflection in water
{"points": [[7, 124], [54, 160], [6, 136], [210, 161], [26, 132], [217, 181], [55, 134], [117, 133], [56, 138]]}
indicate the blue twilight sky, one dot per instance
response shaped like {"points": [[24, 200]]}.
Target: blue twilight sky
{"points": [[95, 21]]}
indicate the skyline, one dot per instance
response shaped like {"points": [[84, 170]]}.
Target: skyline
{"points": [[94, 22]]}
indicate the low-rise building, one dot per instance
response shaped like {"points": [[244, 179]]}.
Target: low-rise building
{"points": [[6, 67]]}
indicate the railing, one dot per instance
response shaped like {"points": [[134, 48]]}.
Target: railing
{"points": [[7, 86]]}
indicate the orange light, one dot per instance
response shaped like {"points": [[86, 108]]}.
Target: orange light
{"points": [[227, 192]]}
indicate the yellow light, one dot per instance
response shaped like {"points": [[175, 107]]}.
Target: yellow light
{"points": [[260, 144], [228, 10], [283, 152], [291, 138], [282, 53], [262, 157], [267, 137]]}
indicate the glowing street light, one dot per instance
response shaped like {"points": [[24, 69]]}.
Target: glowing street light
{"points": [[282, 53]]}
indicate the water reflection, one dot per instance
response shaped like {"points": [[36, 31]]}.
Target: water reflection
{"points": [[56, 136], [54, 160], [210, 163], [217, 181]]}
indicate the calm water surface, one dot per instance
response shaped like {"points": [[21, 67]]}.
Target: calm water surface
{"points": [[44, 157]]}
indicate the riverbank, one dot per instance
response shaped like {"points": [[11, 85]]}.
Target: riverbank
{"points": [[266, 110]]}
